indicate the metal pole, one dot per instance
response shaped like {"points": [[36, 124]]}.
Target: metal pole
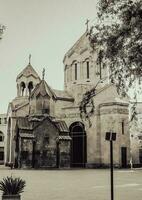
{"points": [[111, 169]]}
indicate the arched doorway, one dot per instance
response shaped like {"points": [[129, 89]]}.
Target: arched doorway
{"points": [[78, 145]]}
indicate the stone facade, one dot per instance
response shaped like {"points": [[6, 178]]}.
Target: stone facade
{"points": [[35, 137], [53, 134], [3, 130], [111, 112], [39, 147], [136, 138]]}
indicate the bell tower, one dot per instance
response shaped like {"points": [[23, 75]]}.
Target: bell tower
{"points": [[27, 80]]}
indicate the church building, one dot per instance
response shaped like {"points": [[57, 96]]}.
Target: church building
{"points": [[44, 125], [3, 134]]}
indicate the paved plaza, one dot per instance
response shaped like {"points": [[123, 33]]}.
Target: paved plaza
{"points": [[93, 184]]}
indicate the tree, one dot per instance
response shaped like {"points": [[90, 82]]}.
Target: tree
{"points": [[118, 34]]}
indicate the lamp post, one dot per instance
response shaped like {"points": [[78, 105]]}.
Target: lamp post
{"points": [[110, 136]]}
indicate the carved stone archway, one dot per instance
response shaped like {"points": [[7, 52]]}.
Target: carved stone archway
{"points": [[78, 145]]}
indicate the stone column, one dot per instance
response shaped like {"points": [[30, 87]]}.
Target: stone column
{"points": [[26, 93], [12, 141], [7, 148], [81, 70], [12, 148], [18, 90], [70, 73]]}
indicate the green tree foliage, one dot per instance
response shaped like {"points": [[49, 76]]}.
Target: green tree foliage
{"points": [[118, 34]]}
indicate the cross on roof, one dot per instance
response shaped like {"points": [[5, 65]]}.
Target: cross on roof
{"points": [[30, 59], [87, 24], [43, 73]]}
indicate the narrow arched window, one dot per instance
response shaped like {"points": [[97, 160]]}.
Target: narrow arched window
{"points": [[1, 136], [30, 87], [22, 87], [123, 127], [5, 120], [88, 72], [75, 71]]}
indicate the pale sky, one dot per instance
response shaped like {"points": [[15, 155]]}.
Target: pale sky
{"points": [[46, 29]]}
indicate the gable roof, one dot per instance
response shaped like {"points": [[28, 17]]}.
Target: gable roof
{"points": [[28, 71], [63, 95], [44, 89], [28, 123], [62, 126], [77, 43]]}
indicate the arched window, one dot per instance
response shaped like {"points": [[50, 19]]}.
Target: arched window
{"points": [[1, 136], [75, 71], [65, 73], [30, 87], [22, 87], [123, 127], [99, 64], [88, 70]]}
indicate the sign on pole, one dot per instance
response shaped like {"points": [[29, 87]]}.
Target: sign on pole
{"points": [[110, 136]]}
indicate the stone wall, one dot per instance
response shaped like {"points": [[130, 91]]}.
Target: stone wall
{"points": [[46, 144], [136, 137], [64, 154], [111, 117], [25, 154], [3, 130]]}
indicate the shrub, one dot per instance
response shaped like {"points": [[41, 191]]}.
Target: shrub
{"points": [[12, 186]]}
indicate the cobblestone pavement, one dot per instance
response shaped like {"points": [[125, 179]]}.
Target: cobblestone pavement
{"points": [[78, 184]]}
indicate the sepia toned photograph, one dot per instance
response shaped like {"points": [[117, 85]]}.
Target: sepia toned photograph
{"points": [[71, 100]]}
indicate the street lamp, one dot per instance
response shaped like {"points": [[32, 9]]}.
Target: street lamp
{"points": [[110, 136]]}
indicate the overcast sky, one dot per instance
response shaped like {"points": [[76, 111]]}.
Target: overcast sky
{"points": [[46, 29]]}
